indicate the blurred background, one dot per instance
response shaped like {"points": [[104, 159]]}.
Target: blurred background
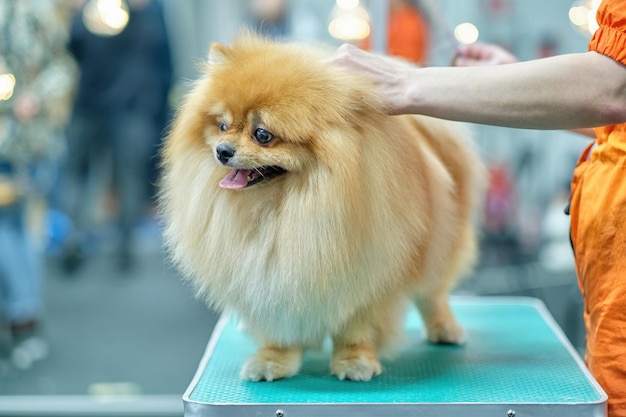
{"points": [[93, 319]]}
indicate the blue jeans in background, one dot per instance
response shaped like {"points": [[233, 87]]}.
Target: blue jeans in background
{"points": [[20, 269]]}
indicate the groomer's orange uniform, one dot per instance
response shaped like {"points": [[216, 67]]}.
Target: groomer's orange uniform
{"points": [[598, 227], [407, 34]]}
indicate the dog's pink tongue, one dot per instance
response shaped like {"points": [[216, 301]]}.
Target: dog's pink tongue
{"points": [[238, 178]]}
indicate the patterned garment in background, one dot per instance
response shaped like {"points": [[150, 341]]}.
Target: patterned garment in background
{"points": [[33, 36]]}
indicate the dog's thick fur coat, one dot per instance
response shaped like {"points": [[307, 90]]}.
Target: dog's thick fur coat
{"points": [[369, 211]]}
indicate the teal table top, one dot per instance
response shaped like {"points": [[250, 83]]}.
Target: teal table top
{"points": [[516, 360]]}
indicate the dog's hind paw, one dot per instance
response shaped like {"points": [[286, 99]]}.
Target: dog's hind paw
{"points": [[448, 333]]}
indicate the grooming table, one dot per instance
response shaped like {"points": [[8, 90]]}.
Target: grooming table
{"points": [[517, 363]]}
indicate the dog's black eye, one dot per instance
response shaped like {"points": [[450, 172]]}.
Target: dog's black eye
{"points": [[223, 127], [263, 136]]}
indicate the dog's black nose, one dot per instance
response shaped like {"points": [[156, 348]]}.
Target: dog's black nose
{"points": [[224, 152]]}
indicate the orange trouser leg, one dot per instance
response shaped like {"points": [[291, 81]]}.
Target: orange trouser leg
{"points": [[598, 215]]}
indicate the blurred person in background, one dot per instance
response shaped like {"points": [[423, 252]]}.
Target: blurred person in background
{"points": [[275, 19], [120, 111], [269, 18], [36, 79], [407, 32]]}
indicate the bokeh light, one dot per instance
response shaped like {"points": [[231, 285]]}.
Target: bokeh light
{"points": [[582, 14], [349, 24], [466, 33], [7, 85], [347, 4], [106, 17]]}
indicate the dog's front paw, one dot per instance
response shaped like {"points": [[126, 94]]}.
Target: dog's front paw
{"points": [[357, 369], [270, 364], [360, 368], [259, 369]]}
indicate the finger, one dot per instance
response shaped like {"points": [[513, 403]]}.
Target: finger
{"points": [[464, 61]]}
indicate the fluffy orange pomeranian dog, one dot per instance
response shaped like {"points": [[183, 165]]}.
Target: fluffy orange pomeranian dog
{"points": [[291, 198]]}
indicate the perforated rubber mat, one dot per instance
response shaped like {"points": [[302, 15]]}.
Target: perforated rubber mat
{"points": [[516, 360]]}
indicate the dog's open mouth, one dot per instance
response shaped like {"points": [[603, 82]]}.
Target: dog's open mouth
{"points": [[242, 178]]}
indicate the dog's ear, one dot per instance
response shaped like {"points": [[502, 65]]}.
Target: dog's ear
{"points": [[218, 54]]}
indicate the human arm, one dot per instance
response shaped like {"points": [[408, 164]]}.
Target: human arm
{"points": [[562, 92], [478, 54], [585, 131]]}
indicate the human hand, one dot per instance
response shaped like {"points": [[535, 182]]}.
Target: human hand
{"points": [[391, 76], [477, 54]]}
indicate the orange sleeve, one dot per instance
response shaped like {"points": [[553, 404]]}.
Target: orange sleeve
{"points": [[610, 38]]}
